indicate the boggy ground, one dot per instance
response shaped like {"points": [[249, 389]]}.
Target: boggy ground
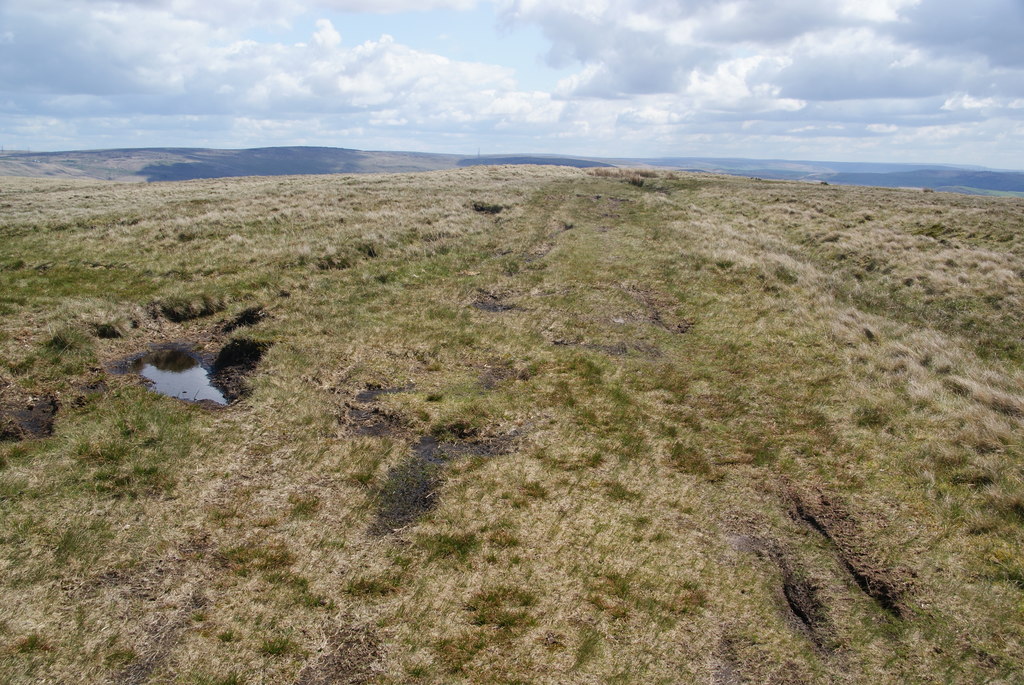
{"points": [[618, 428]]}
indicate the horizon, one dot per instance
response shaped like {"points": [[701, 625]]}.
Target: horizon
{"points": [[884, 81], [527, 153]]}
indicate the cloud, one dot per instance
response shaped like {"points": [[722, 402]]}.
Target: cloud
{"points": [[636, 76]]}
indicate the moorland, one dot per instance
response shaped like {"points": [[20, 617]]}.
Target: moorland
{"points": [[512, 424]]}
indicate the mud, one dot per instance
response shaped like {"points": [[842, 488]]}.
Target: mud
{"points": [[23, 417], [410, 489], [409, 492], [372, 394], [489, 302], [373, 422], [495, 374], [487, 208], [888, 587], [234, 363], [805, 604]]}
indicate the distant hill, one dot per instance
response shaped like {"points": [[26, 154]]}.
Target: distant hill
{"points": [[182, 164], [960, 179], [938, 179], [533, 159]]}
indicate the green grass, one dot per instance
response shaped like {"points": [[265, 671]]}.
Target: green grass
{"points": [[689, 361]]}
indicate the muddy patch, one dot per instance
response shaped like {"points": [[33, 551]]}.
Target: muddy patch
{"points": [[494, 375], [373, 393], [889, 587], [410, 489], [489, 302], [368, 420], [234, 363], [349, 656], [804, 603], [23, 417], [372, 422]]}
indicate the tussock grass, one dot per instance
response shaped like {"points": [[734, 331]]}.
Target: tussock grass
{"points": [[633, 372]]}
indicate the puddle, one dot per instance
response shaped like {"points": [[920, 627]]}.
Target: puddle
{"points": [[177, 373]]}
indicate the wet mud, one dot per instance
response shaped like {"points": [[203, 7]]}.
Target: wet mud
{"points": [[23, 417], [410, 489], [488, 302], [368, 420], [234, 363]]}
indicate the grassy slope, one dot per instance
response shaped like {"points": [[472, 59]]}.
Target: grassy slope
{"points": [[761, 431]]}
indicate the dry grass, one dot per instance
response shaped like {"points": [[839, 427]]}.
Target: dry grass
{"points": [[691, 429]]}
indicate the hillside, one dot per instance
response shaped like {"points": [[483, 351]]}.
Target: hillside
{"points": [[511, 424], [183, 164]]}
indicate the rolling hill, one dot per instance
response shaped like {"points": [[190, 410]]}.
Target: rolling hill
{"points": [[179, 164]]}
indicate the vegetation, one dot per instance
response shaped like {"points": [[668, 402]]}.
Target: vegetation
{"points": [[631, 427]]}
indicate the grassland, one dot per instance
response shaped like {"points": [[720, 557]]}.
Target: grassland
{"points": [[515, 424]]}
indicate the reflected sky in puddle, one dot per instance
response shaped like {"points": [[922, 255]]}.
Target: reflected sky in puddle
{"points": [[176, 373]]}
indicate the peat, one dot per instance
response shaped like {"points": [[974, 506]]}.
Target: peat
{"points": [[24, 418]]}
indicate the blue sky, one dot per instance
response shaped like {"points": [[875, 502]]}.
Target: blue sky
{"points": [[848, 80]]}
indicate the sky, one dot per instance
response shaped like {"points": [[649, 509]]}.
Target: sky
{"points": [[914, 81]]}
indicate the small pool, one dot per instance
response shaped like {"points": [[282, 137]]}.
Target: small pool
{"points": [[178, 373]]}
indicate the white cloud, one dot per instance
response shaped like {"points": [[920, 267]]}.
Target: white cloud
{"points": [[637, 76], [964, 101]]}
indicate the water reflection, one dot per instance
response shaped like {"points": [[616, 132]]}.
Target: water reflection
{"points": [[176, 373]]}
